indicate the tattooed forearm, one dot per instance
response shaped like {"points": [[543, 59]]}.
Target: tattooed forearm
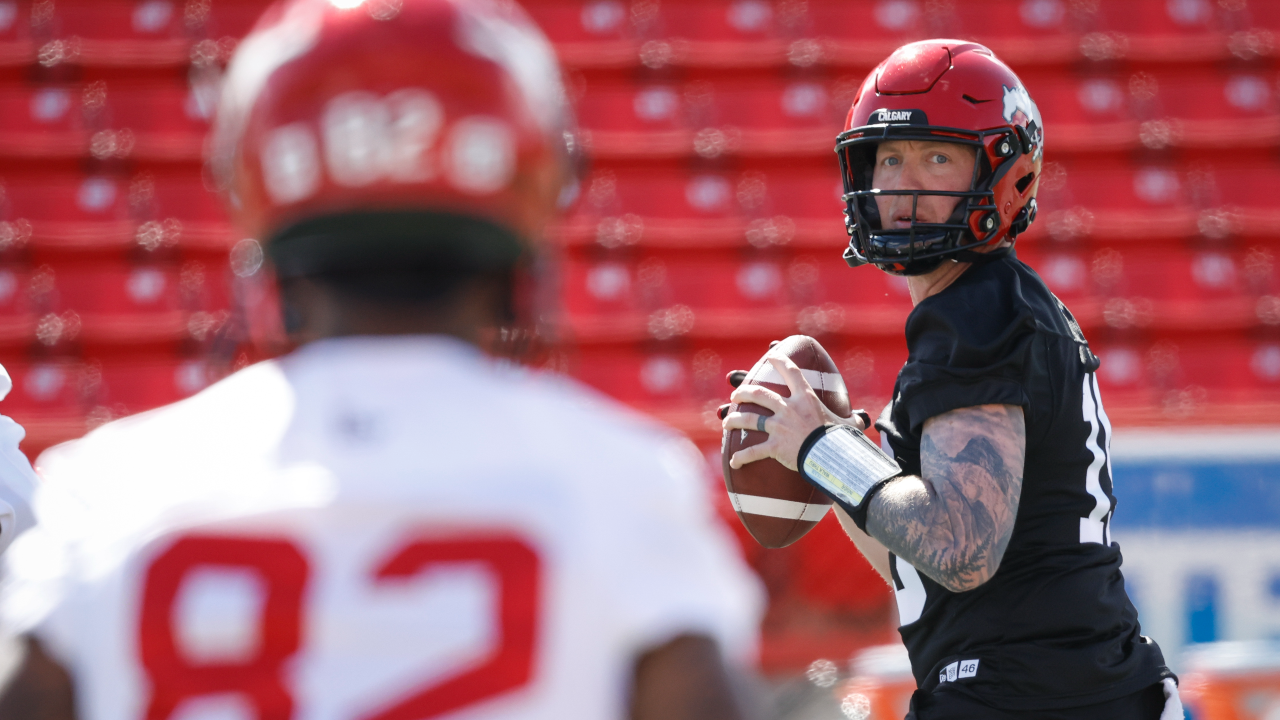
{"points": [[954, 523]]}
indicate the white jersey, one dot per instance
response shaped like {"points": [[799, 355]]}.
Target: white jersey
{"points": [[17, 481], [374, 529]]}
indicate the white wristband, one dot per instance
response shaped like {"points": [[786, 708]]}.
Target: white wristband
{"points": [[846, 465]]}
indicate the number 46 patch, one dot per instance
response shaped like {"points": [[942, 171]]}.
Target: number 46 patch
{"points": [[958, 670]]}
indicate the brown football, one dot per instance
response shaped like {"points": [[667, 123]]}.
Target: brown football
{"points": [[778, 506]]}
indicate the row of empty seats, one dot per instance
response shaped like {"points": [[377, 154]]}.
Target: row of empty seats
{"points": [[715, 33], [751, 33], [107, 303], [612, 299], [121, 33], [1103, 198], [698, 116], [149, 122], [684, 383], [711, 115], [70, 211], [60, 397]]}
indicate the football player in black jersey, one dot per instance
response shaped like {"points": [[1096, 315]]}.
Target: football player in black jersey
{"points": [[994, 529]]}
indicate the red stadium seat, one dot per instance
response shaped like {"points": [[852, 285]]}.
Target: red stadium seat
{"points": [[719, 21], [183, 195], [802, 192], [230, 18], [1179, 18], [1065, 271], [613, 106], [117, 32], [52, 387], [18, 307], [65, 198], [596, 287], [205, 285], [1085, 114], [119, 303], [120, 19], [635, 120], [775, 117], [1209, 94], [1009, 23], [1242, 195], [15, 22], [880, 20], [1110, 198], [133, 385], [1181, 376], [102, 388], [663, 193], [1263, 15], [1066, 100], [168, 122], [725, 283], [635, 377], [72, 211], [42, 121], [593, 21]]}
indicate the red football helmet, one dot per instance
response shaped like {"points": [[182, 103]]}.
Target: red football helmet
{"points": [[355, 132], [951, 91]]}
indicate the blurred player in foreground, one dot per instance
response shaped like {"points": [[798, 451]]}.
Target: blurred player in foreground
{"points": [[996, 533], [385, 524]]}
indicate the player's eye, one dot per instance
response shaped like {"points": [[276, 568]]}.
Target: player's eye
{"points": [[940, 158], [890, 161]]}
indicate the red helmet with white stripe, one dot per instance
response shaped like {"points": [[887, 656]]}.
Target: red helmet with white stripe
{"points": [[427, 132]]}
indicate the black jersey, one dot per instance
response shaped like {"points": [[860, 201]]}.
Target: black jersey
{"points": [[1053, 628]]}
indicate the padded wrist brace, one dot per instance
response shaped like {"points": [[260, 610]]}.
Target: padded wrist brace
{"points": [[847, 467]]}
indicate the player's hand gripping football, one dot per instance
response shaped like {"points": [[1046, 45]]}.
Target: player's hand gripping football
{"points": [[792, 420]]}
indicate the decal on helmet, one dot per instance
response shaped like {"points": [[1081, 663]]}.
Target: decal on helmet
{"points": [[884, 116], [368, 138], [482, 155], [290, 163], [1020, 109]]}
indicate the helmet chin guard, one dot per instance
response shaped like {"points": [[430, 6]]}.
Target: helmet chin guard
{"points": [[982, 105]]}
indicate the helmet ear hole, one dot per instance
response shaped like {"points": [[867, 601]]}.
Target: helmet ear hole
{"points": [[1024, 182]]}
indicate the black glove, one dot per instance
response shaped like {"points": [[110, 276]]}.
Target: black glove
{"points": [[735, 377]]}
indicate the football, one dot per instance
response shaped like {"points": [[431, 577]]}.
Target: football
{"points": [[776, 505]]}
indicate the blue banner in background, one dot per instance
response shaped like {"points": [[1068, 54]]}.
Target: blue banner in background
{"points": [[1198, 521], [1188, 494]]}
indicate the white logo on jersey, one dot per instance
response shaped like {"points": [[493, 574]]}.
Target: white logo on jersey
{"points": [[959, 669]]}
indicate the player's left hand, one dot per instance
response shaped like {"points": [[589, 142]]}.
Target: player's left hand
{"points": [[793, 419]]}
